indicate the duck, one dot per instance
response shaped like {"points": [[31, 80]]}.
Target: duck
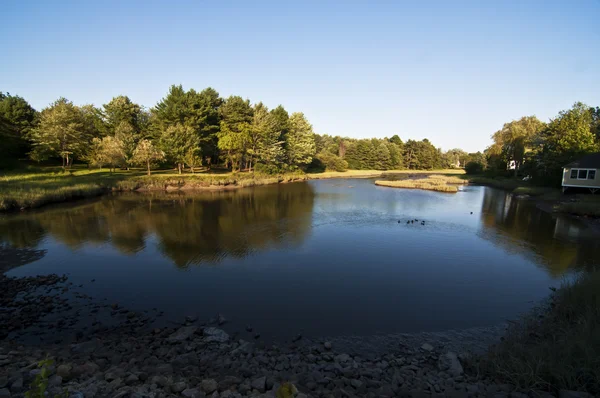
{"points": [[471, 212], [422, 222], [408, 222]]}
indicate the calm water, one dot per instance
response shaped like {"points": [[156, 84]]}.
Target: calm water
{"points": [[324, 257]]}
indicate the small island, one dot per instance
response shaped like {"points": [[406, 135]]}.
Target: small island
{"points": [[435, 182]]}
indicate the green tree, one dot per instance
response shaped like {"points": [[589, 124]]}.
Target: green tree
{"points": [[17, 118], [146, 154], [265, 140], [300, 141], [129, 138], [236, 128], [108, 151], [176, 142], [122, 110], [61, 132], [515, 139]]}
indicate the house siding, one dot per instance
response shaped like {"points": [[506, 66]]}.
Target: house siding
{"points": [[568, 181]]}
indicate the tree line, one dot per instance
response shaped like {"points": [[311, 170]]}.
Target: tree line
{"points": [[191, 129], [528, 146]]}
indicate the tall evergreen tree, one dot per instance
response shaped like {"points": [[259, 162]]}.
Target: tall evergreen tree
{"points": [[300, 141]]}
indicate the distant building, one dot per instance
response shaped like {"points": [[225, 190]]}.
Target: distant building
{"points": [[583, 173]]}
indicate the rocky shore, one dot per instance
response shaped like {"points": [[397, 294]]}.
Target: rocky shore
{"points": [[128, 357]]}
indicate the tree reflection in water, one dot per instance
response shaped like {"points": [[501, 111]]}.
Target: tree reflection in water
{"points": [[190, 228], [520, 227]]}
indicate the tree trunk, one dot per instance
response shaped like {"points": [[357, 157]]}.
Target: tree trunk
{"points": [[148, 165], [179, 167]]}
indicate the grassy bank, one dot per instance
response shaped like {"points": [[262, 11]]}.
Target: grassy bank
{"points": [[580, 205], [555, 348], [435, 182], [31, 189]]}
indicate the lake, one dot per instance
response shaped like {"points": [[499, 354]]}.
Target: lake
{"points": [[324, 257]]}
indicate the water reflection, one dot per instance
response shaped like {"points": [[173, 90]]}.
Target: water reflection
{"points": [[190, 228], [556, 242]]}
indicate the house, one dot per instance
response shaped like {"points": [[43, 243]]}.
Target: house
{"points": [[583, 173]]}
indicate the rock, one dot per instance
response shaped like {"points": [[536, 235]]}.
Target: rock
{"points": [[248, 328], [160, 381], [449, 363], [191, 319], [209, 385], [327, 345], [178, 387], [427, 347], [55, 381], [259, 384], [516, 394], [87, 347], [221, 320], [115, 384], [114, 374], [4, 393], [342, 358], [17, 385], [182, 334], [573, 394], [356, 383], [164, 369], [215, 335], [64, 371], [131, 379], [193, 393]]}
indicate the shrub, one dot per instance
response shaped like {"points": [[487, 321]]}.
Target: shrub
{"points": [[474, 167], [332, 162]]}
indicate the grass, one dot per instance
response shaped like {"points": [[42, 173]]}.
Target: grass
{"points": [[37, 187], [377, 173], [555, 348], [434, 182]]}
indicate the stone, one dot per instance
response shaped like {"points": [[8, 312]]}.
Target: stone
{"points": [[259, 384], [178, 387], [215, 335], [427, 347], [193, 393], [4, 393], [131, 379], [182, 334], [327, 345], [116, 383], [342, 358], [227, 382], [356, 383], [160, 381], [573, 394], [64, 371], [113, 374], [449, 363], [516, 394], [55, 381], [17, 385], [221, 320], [164, 369], [209, 385]]}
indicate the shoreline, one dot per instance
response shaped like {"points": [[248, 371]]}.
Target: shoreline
{"points": [[132, 356], [187, 182]]}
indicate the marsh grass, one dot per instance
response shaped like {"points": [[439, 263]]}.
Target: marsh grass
{"points": [[556, 347], [435, 182], [31, 189], [378, 173]]}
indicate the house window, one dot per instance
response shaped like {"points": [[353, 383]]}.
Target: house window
{"points": [[583, 174]]}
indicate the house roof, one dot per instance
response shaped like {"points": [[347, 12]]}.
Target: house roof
{"points": [[591, 161]]}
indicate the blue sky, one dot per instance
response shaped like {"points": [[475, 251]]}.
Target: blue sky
{"points": [[449, 71]]}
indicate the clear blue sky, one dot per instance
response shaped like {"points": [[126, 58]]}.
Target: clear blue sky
{"points": [[452, 72]]}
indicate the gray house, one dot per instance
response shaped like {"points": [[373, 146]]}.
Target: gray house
{"points": [[583, 173]]}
